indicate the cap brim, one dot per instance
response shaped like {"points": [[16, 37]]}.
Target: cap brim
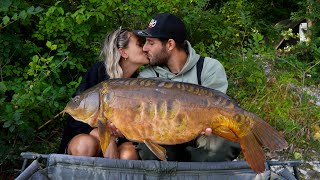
{"points": [[143, 33]]}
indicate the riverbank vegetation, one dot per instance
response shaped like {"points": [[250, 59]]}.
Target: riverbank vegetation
{"points": [[46, 46]]}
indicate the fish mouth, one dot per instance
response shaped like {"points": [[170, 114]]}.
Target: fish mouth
{"points": [[91, 120]]}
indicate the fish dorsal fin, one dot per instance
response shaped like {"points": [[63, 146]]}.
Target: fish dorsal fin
{"points": [[158, 150]]}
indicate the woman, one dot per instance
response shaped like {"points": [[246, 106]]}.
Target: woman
{"points": [[122, 55]]}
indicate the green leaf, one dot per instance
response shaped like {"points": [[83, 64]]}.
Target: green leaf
{"points": [[73, 83], [12, 128], [56, 104], [297, 155], [60, 10], [49, 59], [9, 109], [48, 44], [38, 9], [39, 98], [53, 47], [35, 58], [7, 124], [16, 116], [50, 10], [59, 81], [3, 87], [19, 122], [47, 89], [19, 110], [23, 14], [4, 5], [15, 16], [5, 20], [30, 10], [57, 3]]}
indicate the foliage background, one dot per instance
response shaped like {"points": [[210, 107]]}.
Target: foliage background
{"points": [[46, 46]]}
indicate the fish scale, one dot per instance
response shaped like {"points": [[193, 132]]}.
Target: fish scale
{"points": [[157, 112]]}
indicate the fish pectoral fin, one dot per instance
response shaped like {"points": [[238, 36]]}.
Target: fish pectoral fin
{"points": [[158, 150], [226, 133], [104, 135]]}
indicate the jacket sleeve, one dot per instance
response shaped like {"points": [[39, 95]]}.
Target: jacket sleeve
{"points": [[73, 127]]}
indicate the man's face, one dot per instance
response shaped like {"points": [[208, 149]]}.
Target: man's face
{"points": [[156, 52]]}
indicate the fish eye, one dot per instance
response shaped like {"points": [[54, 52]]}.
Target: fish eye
{"points": [[76, 99]]}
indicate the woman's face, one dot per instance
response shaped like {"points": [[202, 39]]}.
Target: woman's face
{"points": [[135, 52]]}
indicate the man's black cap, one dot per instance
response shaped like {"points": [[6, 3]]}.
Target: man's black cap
{"points": [[166, 26]]}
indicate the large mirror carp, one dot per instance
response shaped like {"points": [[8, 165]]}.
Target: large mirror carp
{"points": [[162, 112]]}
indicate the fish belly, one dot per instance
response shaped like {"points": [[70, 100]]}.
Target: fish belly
{"points": [[161, 127]]}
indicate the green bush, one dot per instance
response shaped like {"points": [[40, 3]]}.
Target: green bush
{"points": [[45, 48]]}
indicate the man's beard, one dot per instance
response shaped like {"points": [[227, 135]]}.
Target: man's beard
{"points": [[161, 58]]}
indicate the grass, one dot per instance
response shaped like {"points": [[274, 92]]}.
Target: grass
{"points": [[280, 100]]}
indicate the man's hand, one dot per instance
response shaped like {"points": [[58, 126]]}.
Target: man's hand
{"points": [[207, 132]]}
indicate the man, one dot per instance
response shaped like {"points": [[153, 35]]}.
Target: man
{"points": [[172, 57]]}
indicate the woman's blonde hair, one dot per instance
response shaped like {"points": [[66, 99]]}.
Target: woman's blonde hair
{"points": [[110, 53]]}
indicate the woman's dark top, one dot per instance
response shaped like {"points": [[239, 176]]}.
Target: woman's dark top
{"points": [[96, 74]]}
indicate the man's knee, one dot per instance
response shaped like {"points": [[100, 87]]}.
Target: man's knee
{"points": [[84, 145], [128, 151]]}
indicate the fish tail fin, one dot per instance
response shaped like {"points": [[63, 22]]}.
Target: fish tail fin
{"points": [[253, 153], [104, 135], [268, 136], [260, 135]]}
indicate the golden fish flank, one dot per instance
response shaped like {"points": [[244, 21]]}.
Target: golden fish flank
{"points": [[173, 109], [241, 124], [151, 109], [157, 111]]}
